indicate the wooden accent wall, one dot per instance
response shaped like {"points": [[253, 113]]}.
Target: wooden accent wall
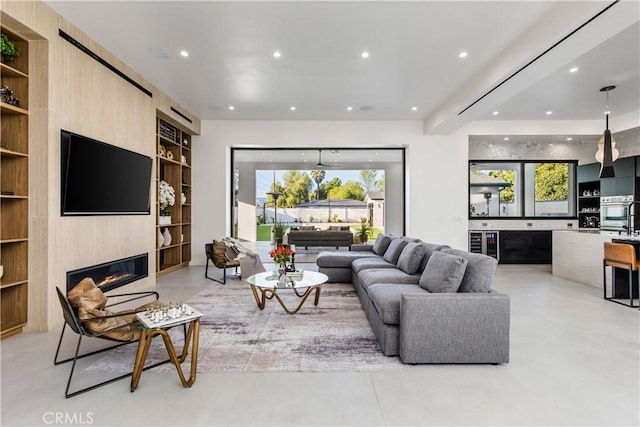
{"points": [[76, 93]]}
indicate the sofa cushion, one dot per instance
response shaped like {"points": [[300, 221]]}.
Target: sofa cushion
{"points": [[341, 259], [444, 273], [307, 228], [394, 250], [429, 249], [411, 257], [381, 244], [370, 262], [373, 276], [479, 273], [386, 299]]}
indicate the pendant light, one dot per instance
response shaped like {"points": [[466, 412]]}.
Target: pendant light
{"points": [[607, 152]]}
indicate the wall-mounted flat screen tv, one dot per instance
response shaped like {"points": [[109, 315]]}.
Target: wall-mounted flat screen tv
{"points": [[102, 179]]}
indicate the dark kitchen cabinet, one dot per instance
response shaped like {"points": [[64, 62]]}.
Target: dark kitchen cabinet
{"points": [[590, 172], [525, 246], [624, 167], [618, 186]]}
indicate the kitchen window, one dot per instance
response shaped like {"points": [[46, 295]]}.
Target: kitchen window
{"points": [[524, 189]]}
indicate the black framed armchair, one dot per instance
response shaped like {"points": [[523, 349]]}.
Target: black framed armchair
{"points": [[85, 311], [217, 253]]}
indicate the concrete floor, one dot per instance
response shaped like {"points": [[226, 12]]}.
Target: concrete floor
{"points": [[574, 361]]}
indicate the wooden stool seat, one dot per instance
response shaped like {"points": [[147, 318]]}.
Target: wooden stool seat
{"points": [[623, 256]]}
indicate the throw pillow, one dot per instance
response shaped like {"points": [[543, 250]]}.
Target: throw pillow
{"points": [[444, 273], [394, 250], [334, 227], [411, 257], [480, 271], [381, 244]]}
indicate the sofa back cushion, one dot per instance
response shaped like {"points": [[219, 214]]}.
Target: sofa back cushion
{"points": [[307, 227], [444, 273], [429, 249], [411, 257], [394, 250], [381, 244], [480, 271]]}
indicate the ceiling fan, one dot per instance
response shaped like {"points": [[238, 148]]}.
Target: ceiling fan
{"points": [[321, 165]]}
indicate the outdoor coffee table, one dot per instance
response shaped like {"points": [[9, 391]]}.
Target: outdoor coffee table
{"points": [[266, 286]]}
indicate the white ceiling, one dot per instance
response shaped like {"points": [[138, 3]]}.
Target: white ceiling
{"points": [[414, 61]]}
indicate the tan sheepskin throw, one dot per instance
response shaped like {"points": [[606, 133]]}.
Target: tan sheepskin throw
{"points": [[89, 300]]}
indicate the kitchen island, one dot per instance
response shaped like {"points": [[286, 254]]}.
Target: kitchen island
{"points": [[577, 254]]}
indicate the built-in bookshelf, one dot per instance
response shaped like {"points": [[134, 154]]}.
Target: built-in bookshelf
{"points": [[174, 167], [14, 186]]}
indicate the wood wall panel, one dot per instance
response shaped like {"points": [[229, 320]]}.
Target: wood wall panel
{"points": [[80, 95]]}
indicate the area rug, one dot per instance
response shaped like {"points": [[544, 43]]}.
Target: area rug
{"points": [[236, 336]]}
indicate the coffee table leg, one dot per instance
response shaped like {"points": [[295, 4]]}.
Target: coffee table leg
{"points": [[260, 300], [317, 299], [303, 296]]}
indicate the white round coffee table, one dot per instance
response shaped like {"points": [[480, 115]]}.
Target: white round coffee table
{"points": [[266, 286]]}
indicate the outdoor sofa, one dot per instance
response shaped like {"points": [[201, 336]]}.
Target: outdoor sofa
{"points": [[427, 303], [308, 236]]}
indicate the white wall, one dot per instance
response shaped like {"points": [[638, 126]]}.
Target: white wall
{"points": [[437, 167]]}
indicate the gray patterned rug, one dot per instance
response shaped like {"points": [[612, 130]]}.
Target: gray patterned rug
{"points": [[236, 336]]}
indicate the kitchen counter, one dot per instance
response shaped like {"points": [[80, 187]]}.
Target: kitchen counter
{"points": [[577, 255]]}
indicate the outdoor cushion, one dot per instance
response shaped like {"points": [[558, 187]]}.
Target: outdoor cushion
{"points": [[370, 262], [307, 227], [444, 273], [479, 273], [394, 250], [411, 257], [386, 299], [430, 248], [381, 244]]}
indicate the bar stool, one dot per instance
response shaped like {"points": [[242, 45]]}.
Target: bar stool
{"points": [[619, 255]]}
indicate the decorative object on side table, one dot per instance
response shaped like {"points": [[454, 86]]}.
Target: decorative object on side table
{"points": [[8, 50], [166, 198]]}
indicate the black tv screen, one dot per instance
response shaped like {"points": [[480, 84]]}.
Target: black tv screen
{"points": [[102, 179]]}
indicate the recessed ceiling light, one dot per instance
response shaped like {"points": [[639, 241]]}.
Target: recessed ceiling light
{"points": [[462, 55], [573, 70], [349, 108], [506, 138], [231, 107], [414, 108], [364, 54], [293, 108], [495, 113], [184, 53], [277, 54], [548, 113], [569, 139]]}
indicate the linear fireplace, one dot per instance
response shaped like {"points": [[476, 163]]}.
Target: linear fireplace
{"points": [[113, 274]]}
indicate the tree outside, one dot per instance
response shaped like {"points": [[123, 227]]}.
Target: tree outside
{"points": [[552, 181]]}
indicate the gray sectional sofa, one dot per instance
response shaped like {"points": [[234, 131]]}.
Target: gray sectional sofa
{"points": [[425, 302]]}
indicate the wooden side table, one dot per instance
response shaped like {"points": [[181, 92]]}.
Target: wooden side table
{"points": [[150, 330]]}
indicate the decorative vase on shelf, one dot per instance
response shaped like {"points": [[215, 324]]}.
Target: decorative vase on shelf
{"points": [[167, 237], [164, 220], [183, 198], [160, 239]]}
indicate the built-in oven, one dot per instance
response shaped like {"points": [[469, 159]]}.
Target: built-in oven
{"points": [[613, 212]]}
